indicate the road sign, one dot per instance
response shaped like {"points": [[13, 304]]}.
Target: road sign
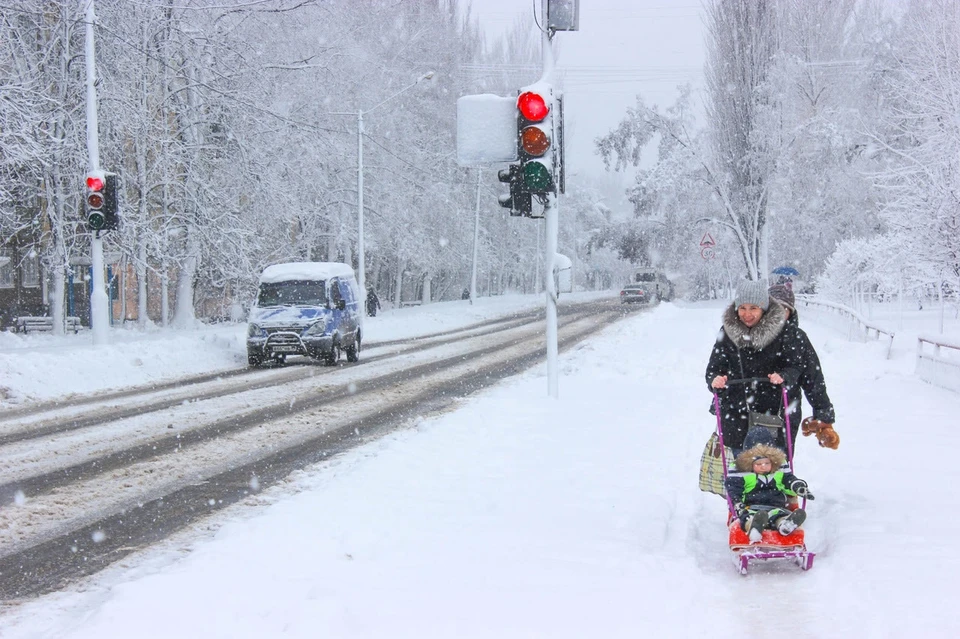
{"points": [[707, 252], [707, 241]]}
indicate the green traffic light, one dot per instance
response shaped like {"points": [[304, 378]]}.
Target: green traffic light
{"points": [[96, 220], [537, 177]]}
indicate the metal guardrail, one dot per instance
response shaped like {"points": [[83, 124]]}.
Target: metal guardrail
{"points": [[935, 368], [869, 330]]}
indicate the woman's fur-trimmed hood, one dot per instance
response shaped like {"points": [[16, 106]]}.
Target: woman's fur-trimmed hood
{"points": [[745, 459], [761, 335]]}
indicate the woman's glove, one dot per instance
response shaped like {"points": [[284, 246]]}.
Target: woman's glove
{"points": [[810, 426], [826, 436]]}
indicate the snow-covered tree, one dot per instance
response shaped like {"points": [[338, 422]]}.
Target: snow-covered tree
{"points": [[918, 139]]}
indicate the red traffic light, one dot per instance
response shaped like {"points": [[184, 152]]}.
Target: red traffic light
{"points": [[95, 197], [532, 106]]}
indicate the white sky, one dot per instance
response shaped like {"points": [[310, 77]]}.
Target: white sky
{"points": [[522, 516], [623, 47]]}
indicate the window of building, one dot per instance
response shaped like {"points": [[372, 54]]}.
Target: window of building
{"points": [[6, 268], [30, 270]]}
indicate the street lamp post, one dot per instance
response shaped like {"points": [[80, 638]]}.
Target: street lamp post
{"points": [[361, 262]]}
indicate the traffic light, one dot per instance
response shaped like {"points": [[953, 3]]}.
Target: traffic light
{"points": [[518, 201], [535, 140], [95, 199], [102, 201]]}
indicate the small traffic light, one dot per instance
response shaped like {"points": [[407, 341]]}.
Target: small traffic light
{"points": [[95, 200], [102, 201], [518, 201], [535, 136]]}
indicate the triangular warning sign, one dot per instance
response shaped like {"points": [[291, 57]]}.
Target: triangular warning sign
{"points": [[707, 241]]}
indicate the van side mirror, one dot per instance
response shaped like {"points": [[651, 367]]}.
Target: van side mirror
{"points": [[341, 305]]}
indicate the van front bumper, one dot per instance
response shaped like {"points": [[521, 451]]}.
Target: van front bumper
{"points": [[289, 343]]}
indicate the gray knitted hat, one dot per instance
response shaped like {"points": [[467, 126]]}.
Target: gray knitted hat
{"points": [[755, 293]]}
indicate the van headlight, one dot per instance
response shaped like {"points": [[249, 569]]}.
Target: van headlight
{"points": [[316, 329], [255, 331]]}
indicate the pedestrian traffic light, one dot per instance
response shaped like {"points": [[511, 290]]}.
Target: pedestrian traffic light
{"points": [[518, 201], [535, 137], [102, 201]]}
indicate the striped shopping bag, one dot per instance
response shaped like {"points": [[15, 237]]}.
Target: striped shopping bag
{"points": [[711, 466]]}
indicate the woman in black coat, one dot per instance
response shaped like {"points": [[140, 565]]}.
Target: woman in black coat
{"points": [[752, 343]]}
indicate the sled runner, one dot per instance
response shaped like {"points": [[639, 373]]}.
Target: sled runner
{"points": [[772, 545]]}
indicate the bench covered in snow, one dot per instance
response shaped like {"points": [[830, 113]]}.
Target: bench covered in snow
{"points": [[31, 324]]}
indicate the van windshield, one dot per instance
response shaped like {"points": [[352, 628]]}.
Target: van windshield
{"points": [[293, 293]]}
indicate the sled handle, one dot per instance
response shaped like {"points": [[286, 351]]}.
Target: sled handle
{"points": [[749, 380], [786, 423], [723, 451]]}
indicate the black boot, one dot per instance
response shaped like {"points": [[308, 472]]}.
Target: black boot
{"points": [[757, 524]]}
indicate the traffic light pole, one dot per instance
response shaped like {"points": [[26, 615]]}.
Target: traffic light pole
{"points": [[551, 212], [476, 240], [99, 315], [361, 252]]}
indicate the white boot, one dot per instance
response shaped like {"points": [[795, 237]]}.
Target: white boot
{"points": [[790, 523]]}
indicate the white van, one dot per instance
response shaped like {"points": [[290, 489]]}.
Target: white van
{"points": [[305, 308]]}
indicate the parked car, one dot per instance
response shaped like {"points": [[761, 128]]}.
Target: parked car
{"points": [[638, 294], [305, 308]]}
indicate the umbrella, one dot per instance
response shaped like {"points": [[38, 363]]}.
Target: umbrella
{"points": [[785, 270]]}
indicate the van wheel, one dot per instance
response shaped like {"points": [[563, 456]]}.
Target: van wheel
{"points": [[353, 351], [334, 356], [279, 360], [254, 361]]}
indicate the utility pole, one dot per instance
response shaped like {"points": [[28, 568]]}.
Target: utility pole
{"points": [[99, 315], [551, 212], [361, 250]]}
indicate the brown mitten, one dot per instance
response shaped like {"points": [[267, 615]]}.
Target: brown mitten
{"points": [[810, 426], [828, 437]]}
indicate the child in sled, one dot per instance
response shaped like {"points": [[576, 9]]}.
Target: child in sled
{"points": [[762, 492]]}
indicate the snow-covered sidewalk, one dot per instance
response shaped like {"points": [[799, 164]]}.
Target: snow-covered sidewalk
{"points": [[522, 516]]}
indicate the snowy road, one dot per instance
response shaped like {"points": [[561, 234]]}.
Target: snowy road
{"points": [[131, 469]]}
